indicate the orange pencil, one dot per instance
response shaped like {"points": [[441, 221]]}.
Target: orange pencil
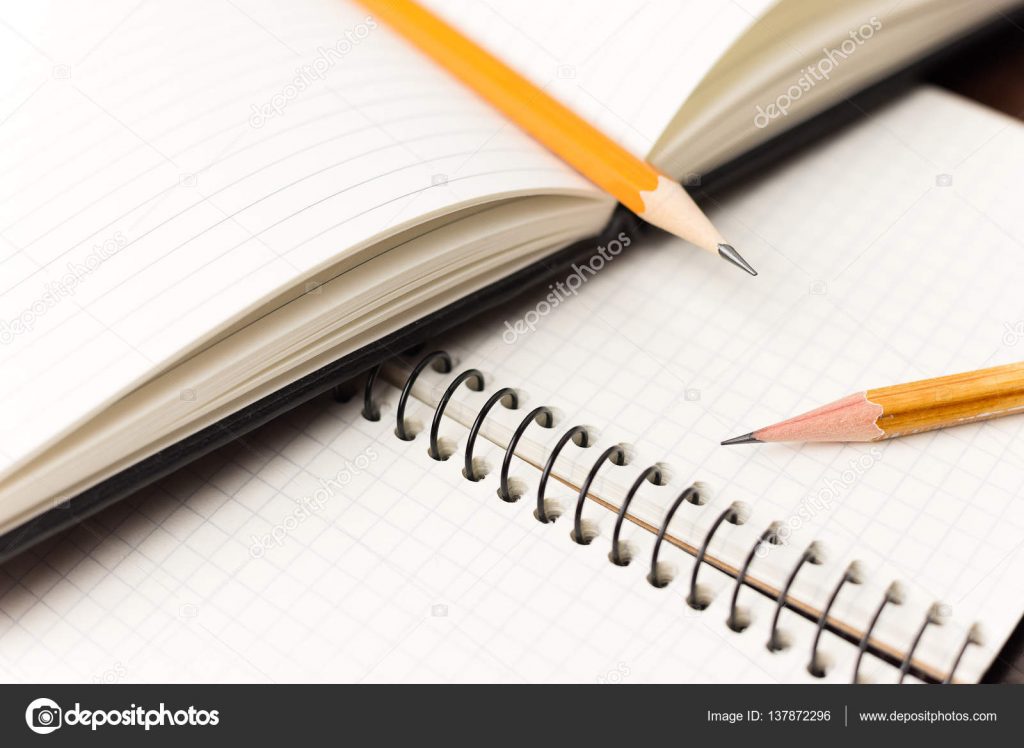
{"points": [[636, 184], [903, 409]]}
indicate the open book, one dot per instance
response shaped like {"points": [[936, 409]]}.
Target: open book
{"points": [[204, 203]]}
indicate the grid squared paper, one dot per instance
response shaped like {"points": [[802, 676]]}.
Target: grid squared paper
{"points": [[407, 571], [890, 255]]}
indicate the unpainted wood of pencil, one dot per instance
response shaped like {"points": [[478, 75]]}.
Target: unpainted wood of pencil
{"points": [[902, 409]]}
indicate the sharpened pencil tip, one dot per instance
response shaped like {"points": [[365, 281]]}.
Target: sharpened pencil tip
{"points": [[729, 253], [745, 439]]}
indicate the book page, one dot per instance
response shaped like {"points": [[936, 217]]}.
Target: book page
{"points": [[170, 165], [626, 67]]}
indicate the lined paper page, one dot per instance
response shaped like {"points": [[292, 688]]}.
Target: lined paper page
{"points": [[627, 68], [171, 164], [890, 254]]}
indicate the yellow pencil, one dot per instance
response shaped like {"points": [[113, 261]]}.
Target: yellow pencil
{"points": [[901, 409], [636, 184]]}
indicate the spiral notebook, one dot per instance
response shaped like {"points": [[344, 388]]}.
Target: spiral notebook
{"points": [[325, 547]]}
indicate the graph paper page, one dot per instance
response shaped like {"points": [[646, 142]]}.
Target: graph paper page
{"points": [[322, 548], [891, 254]]}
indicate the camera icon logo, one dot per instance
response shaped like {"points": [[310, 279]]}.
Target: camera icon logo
{"points": [[43, 716]]}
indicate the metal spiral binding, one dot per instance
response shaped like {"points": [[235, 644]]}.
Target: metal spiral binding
{"points": [[852, 575], [813, 555], [615, 455], [770, 535], [474, 379], [651, 474], [735, 514], [691, 494], [507, 397], [973, 637], [370, 410], [446, 366], [545, 418], [893, 595], [579, 436], [933, 617]]}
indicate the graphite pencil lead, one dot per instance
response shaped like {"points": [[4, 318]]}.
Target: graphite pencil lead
{"points": [[729, 253], [745, 439]]}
